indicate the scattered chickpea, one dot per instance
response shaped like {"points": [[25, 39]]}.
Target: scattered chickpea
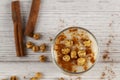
{"points": [[66, 58], [36, 36], [34, 78], [42, 47], [13, 78], [35, 48], [81, 61], [38, 75], [78, 78], [68, 43], [61, 78], [73, 54], [65, 50], [81, 53], [43, 58], [29, 44]]}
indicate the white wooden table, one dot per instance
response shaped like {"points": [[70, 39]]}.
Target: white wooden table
{"points": [[101, 17]]}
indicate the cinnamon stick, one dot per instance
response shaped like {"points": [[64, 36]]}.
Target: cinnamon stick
{"points": [[29, 31], [18, 35]]}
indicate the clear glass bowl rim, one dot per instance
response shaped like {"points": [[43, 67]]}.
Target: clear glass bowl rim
{"points": [[53, 57]]}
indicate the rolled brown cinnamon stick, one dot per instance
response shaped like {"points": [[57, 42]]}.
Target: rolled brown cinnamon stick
{"points": [[18, 35], [29, 31]]}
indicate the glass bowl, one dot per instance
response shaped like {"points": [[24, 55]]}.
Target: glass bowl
{"points": [[79, 69]]}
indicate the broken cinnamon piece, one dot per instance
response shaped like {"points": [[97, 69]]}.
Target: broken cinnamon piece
{"points": [[16, 16], [32, 18]]}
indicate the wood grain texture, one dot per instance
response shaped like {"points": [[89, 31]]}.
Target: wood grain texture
{"points": [[101, 17]]}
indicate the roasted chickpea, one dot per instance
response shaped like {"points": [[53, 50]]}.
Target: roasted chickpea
{"points": [[13, 78], [68, 43], [35, 48], [34, 78], [29, 44], [65, 51], [42, 47], [81, 53], [36, 36], [73, 54], [84, 37], [43, 58], [38, 75], [66, 58], [81, 61], [61, 78], [87, 43]]}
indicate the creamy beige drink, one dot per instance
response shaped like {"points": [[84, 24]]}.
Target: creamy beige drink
{"points": [[75, 50]]}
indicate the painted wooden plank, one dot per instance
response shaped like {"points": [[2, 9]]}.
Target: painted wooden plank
{"points": [[101, 17], [28, 69]]}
